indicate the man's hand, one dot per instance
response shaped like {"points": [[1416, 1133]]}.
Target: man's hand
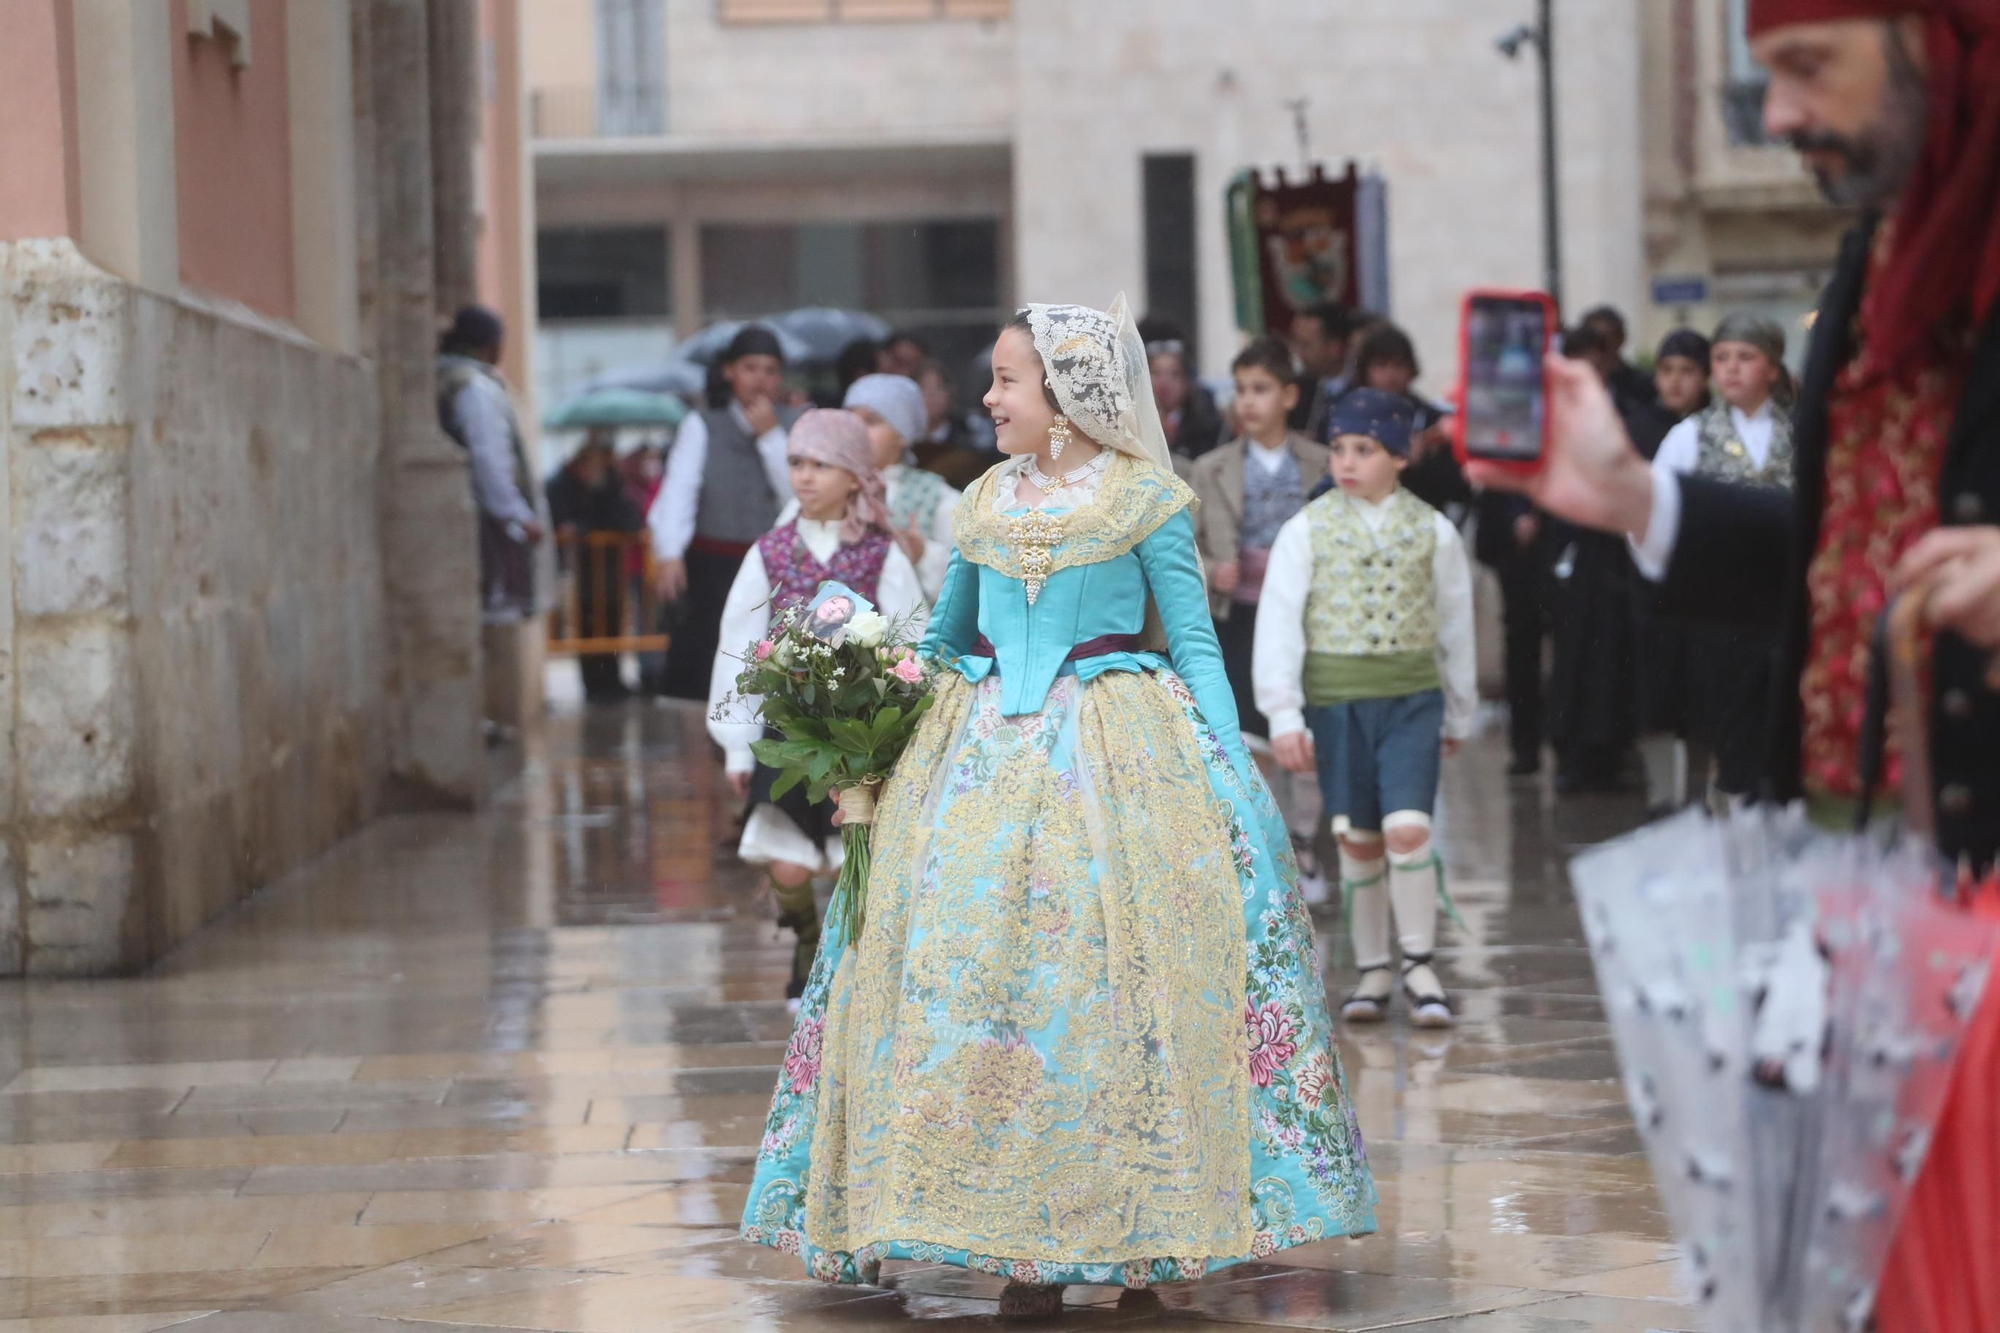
{"points": [[1962, 568], [762, 416], [1526, 528], [1590, 473], [1226, 577], [739, 783], [912, 542], [1451, 746], [670, 580], [531, 532], [1293, 752]]}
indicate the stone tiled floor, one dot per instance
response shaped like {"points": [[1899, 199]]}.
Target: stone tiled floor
{"points": [[509, 1074]]}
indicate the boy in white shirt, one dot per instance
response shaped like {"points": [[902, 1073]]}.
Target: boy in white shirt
{"points": [[1744, 437], [1365, 667]]}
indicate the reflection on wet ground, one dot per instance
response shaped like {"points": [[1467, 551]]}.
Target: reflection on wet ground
{"points": [[510, 1073]]}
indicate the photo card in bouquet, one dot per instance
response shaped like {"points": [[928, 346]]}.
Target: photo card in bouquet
{"points": [[832, 609]]}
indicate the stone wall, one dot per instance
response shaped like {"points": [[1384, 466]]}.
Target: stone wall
{"points": [[191, 616]]}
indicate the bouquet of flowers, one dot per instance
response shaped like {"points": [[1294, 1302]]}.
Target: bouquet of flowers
{"points": [[844, 689]]}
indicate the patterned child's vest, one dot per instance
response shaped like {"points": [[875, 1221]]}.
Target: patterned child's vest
{"points": [[1371, 590], [795, 575], [1725, 458]]}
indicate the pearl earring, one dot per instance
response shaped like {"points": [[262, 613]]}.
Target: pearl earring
{"points": [[1059, 438]]}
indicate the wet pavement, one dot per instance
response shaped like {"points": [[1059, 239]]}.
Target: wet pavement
{"points": [[510, 1073]]}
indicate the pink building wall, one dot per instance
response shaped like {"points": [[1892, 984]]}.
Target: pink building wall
{"points": [[39, 189], [232, 160]]}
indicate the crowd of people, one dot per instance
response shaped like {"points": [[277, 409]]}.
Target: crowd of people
{"points": [[1184, 633]]}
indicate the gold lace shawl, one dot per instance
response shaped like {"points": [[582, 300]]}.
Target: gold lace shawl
{"points": [[1132, 502]]}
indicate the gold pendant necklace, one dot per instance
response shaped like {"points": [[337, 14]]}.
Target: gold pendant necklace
{"points": [[1048, 485]]}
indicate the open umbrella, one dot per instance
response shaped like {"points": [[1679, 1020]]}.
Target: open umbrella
{"points": [[686, 380], [711, 342], [615, 407], [826, 331]]}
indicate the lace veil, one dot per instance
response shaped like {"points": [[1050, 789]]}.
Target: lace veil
{"points": [[1096, 364]]}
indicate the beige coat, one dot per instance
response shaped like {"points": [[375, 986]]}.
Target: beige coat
{"points": [[1218, 481]]}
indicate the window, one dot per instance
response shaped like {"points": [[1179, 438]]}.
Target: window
{"points": [[857, 11], [602, 273], [631, 56], [1168, 195], [1744, 81], [891, 268]]}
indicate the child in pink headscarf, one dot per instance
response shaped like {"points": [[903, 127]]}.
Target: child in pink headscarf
{"points": [[841, 534]]}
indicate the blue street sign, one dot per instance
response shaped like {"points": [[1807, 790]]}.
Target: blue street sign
{"points": [[1680, 290]]}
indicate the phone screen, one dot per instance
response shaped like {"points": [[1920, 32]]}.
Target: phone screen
{"points": [[1505, 340]]}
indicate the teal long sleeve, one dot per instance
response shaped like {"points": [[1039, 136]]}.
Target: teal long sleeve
{"points": [[954, 621], [1173, 574]]}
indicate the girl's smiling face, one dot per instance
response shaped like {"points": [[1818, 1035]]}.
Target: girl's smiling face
{"points": [[1018, 399]]}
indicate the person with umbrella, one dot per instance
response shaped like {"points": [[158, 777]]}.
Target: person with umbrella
{"points": [[1895, 105], [727, 478]]}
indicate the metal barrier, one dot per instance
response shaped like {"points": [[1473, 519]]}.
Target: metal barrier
{"points": [[607, 604]]}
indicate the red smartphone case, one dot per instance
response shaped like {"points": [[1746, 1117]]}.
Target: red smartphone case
{"points": [[1552, 320]]}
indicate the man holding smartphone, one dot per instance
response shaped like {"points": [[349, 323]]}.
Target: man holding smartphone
{"points": [[1895, 105]]}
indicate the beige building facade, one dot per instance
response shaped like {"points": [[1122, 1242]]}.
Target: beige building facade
{"points": [[238, 614], [741, 156]]}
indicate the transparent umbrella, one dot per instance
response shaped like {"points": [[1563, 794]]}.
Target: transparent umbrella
{"points": [[1787, 1006], [710, 343], [825, 331]]}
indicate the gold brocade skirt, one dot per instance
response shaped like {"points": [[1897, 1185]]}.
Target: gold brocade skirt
{"points": [[1037, 1047]]}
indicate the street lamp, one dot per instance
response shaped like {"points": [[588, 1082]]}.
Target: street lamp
{"points": [[1541, 35]]}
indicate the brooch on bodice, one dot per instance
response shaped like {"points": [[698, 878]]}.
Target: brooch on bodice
{"points": [[1033, 536]]}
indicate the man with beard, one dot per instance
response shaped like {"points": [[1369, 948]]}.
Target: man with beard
{"points": [[1895, 105]]}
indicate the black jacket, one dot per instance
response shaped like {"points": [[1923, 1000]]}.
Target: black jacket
{"points": [[1742, 555]]}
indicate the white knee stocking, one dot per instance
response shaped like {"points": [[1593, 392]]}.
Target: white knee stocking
{"points": [[1365, 881], [1413, 886]]}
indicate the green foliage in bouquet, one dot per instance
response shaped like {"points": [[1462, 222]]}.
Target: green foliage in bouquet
{"points": [[844, 711]]}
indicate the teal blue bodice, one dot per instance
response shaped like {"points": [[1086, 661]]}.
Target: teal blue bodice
{"points": [[1085, 598]]}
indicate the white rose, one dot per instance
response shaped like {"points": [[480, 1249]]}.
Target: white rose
{"points": [[868, 629]]}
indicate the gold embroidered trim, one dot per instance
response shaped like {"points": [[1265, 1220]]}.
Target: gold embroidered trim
{"points": [[1133, 501]]}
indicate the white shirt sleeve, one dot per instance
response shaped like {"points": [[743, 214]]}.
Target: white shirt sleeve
{"points": [[938, 546], [901, 594], [772, 448], [746, 616], [1278, 660], [482, 419], [1457, 652], [1653, 553], [671, 519]]}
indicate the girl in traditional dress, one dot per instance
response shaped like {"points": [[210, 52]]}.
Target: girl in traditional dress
{"points": [[1081, 1038], [920, 503], [841, 533]]}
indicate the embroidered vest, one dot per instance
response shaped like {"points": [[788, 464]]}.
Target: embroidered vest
{"points": [[1271, 496], [795, 574], [1372, 592], [914, 498], [1724, 457]]}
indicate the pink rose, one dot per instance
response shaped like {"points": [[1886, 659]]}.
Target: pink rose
{"points": [[909, 671], [765, 648]]}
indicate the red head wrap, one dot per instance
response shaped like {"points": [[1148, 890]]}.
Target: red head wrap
{"points": [[1947, 223]]}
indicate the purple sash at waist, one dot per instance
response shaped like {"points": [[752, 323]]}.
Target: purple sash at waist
{"points": [[1101, 646]]}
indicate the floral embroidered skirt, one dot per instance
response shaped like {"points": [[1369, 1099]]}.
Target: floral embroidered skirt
{"points": [[1082, 1038]]}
